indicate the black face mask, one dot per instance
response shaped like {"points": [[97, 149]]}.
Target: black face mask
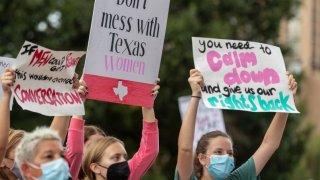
{"points": [[118, 171]]}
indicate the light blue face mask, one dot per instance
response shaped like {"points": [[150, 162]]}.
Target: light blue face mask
{"points": [[220, 166], [54, 170], [16, 171]]}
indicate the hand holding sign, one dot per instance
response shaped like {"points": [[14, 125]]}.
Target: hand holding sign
{"points": [[155, 90], [46, 81], [196, 82], [293, 85], [6, 63], [124, 50], [82, 90], [242, 75], [7, 81]]}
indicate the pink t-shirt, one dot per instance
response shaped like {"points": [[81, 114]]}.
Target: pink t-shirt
{"points": [[75, 145], [147, 153]]}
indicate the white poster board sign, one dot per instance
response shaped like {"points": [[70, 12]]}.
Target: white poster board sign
{"points": [[4, 63], [242, 75], [124, 50], [207, 119], [44, 80]]}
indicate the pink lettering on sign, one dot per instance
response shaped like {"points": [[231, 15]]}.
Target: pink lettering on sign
{"points": [[40, 58], [124, 65], [71, 61], [231, 58], [266, 76], [46, 96], [241, 60]]}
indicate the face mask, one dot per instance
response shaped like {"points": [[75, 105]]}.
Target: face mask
{"points": [[16, 171], [55, 170], [220, 166], [118, 171]]}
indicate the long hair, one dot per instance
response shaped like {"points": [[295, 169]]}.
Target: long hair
{"points": [[94, 154], [90, 130], [15, 137], [202, 148]]}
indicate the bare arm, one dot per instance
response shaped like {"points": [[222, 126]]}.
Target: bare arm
{"points": [[7, 80], [148, 113], [61, 123], [186, 136], [273, 135]]}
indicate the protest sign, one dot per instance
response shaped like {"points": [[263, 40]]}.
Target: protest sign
{"points": [[243, 75], [207, 119], [124, 50], [4, 63], [44, 80]]}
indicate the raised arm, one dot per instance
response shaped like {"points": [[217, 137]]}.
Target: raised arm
{"points": [[273, 135], [61, 123], [75, 139], [186, 136], [149, 144], [7, 80]]}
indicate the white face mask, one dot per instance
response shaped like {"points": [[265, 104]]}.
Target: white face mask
{"points": [[53, 170]]}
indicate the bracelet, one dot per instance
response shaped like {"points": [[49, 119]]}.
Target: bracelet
{"points": [[196, 97]]}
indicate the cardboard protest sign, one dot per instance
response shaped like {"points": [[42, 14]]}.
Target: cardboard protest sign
{"points": [[124, 50], [4, 63], [44, 80], [243, 75], [207, 119]]}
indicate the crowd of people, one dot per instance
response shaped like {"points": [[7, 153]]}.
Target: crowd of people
{"points": [[90, 153]]}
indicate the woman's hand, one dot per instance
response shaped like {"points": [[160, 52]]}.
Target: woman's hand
{"points": [[196, 82], [293, 85], [8, 80]]}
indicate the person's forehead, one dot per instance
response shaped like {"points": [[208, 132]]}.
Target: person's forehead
{"points": [[115, 148], [95, 137], [220, 142], [48, 145]]}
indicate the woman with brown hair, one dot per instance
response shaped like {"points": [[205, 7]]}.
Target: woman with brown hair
{"points": [[91, 134], [213, 159]]}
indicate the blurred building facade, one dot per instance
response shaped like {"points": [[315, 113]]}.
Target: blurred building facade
{"points": [[303, 35]]}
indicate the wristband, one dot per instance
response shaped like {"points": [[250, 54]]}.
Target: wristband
{"points": [[196, 97]]}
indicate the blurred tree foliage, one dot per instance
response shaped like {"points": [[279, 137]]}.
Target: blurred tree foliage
{"points": [[65, 25]]}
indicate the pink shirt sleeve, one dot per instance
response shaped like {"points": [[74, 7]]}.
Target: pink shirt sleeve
{"points": [[148, 151], [75, 143]]}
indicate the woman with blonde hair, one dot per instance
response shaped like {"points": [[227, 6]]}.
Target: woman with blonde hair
{"points": [[106, 158], [9, 168], [96, 152]]}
